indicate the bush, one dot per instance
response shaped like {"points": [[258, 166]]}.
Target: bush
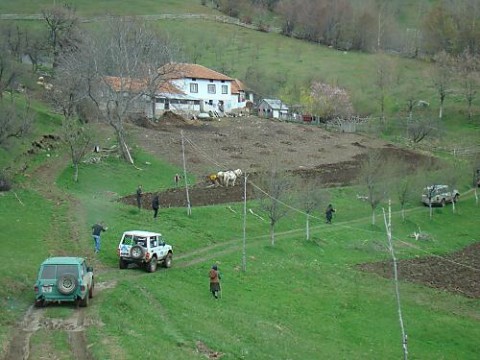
{"points": [[5, 183]]}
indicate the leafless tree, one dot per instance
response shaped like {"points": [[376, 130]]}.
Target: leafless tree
{"points": [[121, 69], [63, 25], [16, 117], [420, 128], [78, 138], [442, 77], [373, 177], [69, 91], [405, 185], [274, 193], [469, 68], [311, 197], [384, 69]]}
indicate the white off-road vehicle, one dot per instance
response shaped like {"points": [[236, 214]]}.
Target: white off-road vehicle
{"points": [[145, 249]]}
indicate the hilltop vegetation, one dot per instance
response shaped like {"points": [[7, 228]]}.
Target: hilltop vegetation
{"points": [[305, 297]]}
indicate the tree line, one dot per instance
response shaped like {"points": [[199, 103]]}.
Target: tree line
{"points": [[370, 25]]}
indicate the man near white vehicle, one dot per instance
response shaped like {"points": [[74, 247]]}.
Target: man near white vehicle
{"points": [[96, 231]]}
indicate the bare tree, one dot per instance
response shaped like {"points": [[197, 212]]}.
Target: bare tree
{"points": [[420, 128], [442, 77], [274, 193], [384, 68], [69, 91], [469, 67], [406, 186], [121, 69], [372, 177], [16, 117], [310, 198], [78, 138], [63, 25]]}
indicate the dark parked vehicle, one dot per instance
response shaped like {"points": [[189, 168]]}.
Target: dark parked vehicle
{"points": [[63, 279]]}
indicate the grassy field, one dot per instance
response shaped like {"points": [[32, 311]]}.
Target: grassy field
{"points": [[298, 299]]}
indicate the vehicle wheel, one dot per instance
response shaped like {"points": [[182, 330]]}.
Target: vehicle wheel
{"points": [[455, 198], [84, 301], [39, 303], [168, 261], [67, 284], [152, 265], [122, 264], [137, 252], [442, 203], [90, 292]]}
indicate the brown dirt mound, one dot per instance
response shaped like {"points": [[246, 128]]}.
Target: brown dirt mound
{"points": [[457, 272]]}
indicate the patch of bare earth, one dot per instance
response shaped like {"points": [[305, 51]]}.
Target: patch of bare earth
{"points": [[252, 144], [457, 272]]}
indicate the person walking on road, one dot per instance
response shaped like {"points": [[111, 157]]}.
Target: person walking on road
{"points": [[155, 205], [214, 276], [96, 231], [139, 196]]}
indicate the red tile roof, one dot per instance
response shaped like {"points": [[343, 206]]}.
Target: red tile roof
{"points": [[135, 85], [195, 71], [237, 86]]}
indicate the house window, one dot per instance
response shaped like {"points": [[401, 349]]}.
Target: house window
{"points": [[211, 89], [224, 89], [194, 88]]}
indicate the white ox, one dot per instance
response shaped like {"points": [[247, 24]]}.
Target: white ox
{"points": [[229, 177]]}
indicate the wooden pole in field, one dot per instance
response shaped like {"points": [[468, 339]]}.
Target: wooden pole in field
{"points": [[244, 252], [189, 208], [388, 226]]}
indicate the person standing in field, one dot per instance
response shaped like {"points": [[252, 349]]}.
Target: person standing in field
{"points": [[155, 205], [214, 276], [96, 231], [139, 196], [329, 213]]}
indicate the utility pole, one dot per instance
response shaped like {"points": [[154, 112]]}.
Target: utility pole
{"points": [[189, 208]]}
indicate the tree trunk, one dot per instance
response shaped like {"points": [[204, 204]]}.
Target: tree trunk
{"points": [[308, 227], [272, 234], [75, 172], [123, 146]]}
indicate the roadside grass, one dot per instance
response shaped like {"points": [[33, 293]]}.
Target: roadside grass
{"points": [[22, 223], [297, 299]]}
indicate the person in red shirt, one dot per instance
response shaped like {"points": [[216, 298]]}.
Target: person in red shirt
{"points": [[214, 276]]}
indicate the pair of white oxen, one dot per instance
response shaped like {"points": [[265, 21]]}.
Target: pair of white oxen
{"points": [[228, 178]]}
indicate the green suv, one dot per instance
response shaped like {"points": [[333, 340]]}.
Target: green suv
{"points": [[63, 279]]}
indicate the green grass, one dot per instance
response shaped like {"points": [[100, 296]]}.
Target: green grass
{"points": [[104, 7], [299, 299]]}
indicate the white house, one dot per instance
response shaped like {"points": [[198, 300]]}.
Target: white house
{"points": [[196, 88], [272, 108]]}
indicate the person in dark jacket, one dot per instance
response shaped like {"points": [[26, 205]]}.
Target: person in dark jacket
{"points": [[214, 276], [139, 196], [96, 231], [155, 205], [329, 213]]}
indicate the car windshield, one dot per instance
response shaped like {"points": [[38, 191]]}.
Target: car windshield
{"points": [[56, 271]]}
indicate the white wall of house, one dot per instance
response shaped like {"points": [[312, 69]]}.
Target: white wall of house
{"points": [[211, 92]]}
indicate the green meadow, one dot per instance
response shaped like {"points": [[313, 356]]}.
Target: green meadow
{"points": [[298, 299]]}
